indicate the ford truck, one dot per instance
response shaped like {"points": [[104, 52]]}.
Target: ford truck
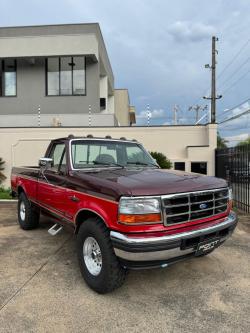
{"points": [[126, 212]]}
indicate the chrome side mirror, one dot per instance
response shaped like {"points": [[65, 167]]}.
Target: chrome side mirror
{"points": [[45, 163]]}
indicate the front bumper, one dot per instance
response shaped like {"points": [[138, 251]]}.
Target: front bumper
{"points": [[146, 252]]}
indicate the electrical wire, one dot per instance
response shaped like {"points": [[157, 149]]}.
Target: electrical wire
{"points": [[235, 82], [234, 58], [233, 74]]}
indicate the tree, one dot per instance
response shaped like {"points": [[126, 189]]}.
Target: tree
{"points": [[2, 176], [221, 143], [161, 159], [244, 143]]}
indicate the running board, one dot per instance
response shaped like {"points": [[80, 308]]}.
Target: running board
{"points": [[55, 229]]}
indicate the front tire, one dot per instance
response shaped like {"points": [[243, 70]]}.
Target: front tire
{"points": [[98, 263], [28, 216]]}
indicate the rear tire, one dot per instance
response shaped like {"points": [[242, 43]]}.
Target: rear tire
{"points": [[98, 263], [28, 215]]}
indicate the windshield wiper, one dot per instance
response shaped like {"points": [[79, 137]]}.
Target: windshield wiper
{"points": [[142, 163], [108, 164]]}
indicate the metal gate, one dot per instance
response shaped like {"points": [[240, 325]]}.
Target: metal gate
{"points": [[233, 164]]}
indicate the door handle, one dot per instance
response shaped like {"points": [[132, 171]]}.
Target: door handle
{"points": [[74, 198]]}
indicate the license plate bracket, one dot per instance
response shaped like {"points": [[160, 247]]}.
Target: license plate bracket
{"points": [[207, 246]]}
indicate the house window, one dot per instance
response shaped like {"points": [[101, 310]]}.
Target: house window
{"points": [[199, 167], [179, 166], [8, 77], [66, 76]]}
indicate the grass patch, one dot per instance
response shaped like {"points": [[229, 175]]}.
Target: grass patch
{"points": [[5, 193]]}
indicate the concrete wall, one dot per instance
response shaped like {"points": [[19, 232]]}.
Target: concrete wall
{"points": [[74, 33], [20, 146], [31, 92], [122, 106]]}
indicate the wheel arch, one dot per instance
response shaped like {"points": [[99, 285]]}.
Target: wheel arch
{"points": [[85, 214], [20, 190]]}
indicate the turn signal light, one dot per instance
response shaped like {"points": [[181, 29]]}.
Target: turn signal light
{"points": [[139, 218]]}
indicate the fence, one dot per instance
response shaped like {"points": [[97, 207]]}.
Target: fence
{"points": [[233, 164]]}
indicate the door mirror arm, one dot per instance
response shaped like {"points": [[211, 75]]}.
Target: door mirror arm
{"points": [[44, 164]]}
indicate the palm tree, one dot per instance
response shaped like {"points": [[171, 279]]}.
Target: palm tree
{"points": [[221, 143], [2, 176]]}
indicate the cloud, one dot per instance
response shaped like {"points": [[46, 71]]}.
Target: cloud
{"points": [[190, 31], [152, 114], [233, 140]]}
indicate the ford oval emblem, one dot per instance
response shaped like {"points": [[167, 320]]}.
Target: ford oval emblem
{"points": [[203, 206]]}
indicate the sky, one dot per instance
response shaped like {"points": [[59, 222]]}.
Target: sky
{"points": [[158, 50]]}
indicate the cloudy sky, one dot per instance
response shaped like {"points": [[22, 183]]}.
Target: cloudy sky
{"points": [[158, 49]]}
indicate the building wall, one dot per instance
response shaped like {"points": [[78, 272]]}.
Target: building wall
{"points": [[122, 106], [20, 146], [31, 92], [55, 40]]}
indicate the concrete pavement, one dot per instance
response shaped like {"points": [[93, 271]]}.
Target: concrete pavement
{"points": [[41, 289]]}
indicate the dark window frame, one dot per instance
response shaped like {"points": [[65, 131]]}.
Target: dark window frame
{"points": [[199, 162], [72, 77], [182, 163], [2, 65]]}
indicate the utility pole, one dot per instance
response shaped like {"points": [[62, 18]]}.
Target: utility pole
{"points": [[197, 108], [175, 110], [213, 96]]}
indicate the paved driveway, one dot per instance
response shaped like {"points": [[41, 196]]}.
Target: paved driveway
{"points": [[41, 289]]}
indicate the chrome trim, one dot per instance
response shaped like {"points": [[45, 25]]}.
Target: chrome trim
{"points": [[227, 222], [169, 253], [189, 205], [150, 256]]}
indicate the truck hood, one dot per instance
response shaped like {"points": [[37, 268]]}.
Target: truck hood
{"points": [[147, 181]]}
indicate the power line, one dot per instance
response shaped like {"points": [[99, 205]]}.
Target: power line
{"points": [[236, 106], [235, 117], [235, 82], [234, 58], [235, 72]]}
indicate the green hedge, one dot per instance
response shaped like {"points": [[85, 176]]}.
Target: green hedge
{"points": [[161, 159], [5, 193]]}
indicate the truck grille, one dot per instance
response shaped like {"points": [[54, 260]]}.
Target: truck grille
{"points": [[185, 207]]}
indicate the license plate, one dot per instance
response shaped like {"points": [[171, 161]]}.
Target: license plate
{"points": [[207, 246]]}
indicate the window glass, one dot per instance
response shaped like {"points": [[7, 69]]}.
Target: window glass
{"points": [[66, 76], [53, 76], [79, 154], [8, 77], [1, 79], [57, 155], [95, 153], [135, 154], [78, 75]]}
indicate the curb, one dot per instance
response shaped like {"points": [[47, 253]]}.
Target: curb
{"points": [[7, 201]]}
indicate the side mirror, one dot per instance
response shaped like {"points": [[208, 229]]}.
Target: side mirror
{"points": [[45, 163]]}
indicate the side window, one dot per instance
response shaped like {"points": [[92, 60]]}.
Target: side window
{"points": [[59, 157], [136, 155]]}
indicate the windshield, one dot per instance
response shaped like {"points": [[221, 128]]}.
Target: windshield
{"points": [[95, 153]]}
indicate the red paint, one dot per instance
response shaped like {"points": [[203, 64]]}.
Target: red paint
{"points": [[66, 195]]}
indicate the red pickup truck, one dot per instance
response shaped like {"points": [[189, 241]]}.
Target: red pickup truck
{"points": [[126, 212]]}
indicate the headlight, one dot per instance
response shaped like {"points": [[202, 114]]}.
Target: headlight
{"points": [[139, 210]]}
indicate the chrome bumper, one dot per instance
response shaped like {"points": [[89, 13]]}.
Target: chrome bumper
{"points": [[165, 248]]}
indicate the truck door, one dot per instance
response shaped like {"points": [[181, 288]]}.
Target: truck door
{"points": [[51, 184]]}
